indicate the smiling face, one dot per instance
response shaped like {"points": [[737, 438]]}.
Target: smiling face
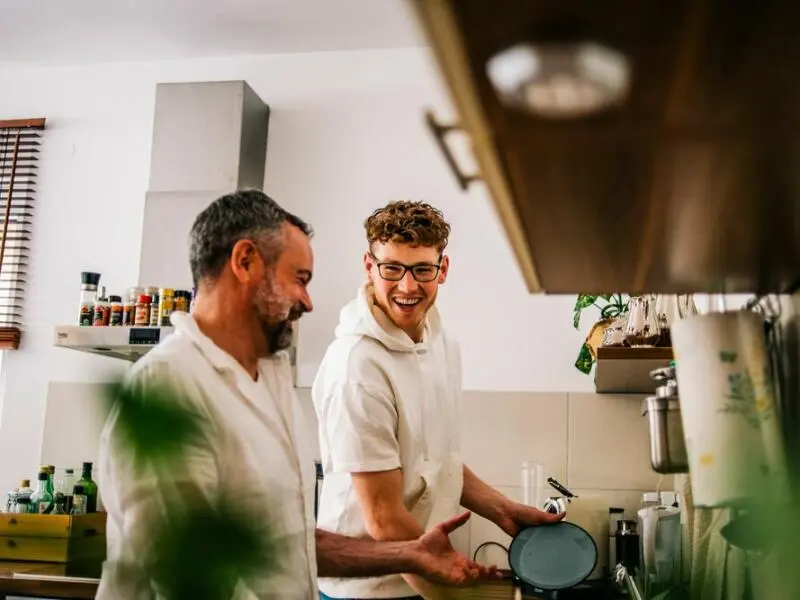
{"points": [[281, 296], [406, 280]]}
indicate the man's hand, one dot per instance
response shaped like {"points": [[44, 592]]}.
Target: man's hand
{"points": [[440, 563], [516, 516]]}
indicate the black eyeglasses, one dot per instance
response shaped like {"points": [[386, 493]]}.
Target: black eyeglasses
{"points": [[421, 272]]}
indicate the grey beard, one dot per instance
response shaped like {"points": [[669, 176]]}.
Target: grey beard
{"points": [[279, 336]]}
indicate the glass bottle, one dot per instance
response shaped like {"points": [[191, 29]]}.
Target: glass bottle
{"points": [[51, 484], [101, 310], [60, 506], [24, 505], [46, 470], [89, 282], [642, 329], [142, 316], [64, 487], [686, 306], [42, 499], [89, 488], [80, 500], [666, 309], [155, 315], [115, 311]]}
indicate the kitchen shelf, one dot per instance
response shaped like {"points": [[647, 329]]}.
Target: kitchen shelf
{"points": [[627, 370], [125, 343]]}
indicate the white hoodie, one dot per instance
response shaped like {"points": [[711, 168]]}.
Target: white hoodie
{"points": [[384, 402]]}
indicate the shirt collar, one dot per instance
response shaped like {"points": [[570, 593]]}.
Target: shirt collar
{"points": [[219, 358]]}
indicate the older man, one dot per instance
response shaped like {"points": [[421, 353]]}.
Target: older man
{"points": [[252, 263]]}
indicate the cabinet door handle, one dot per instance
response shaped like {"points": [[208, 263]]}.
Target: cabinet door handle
{"points": [[439, 132]]}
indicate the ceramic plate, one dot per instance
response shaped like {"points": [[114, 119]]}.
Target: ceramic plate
{"points": [[553, 557]]}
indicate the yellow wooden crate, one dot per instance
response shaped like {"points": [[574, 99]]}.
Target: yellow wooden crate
{"points": [[52, 538]]}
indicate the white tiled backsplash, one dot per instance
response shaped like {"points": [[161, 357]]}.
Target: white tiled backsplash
{"points": [[593, 444]]}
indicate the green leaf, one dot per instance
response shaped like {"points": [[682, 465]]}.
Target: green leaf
{"points": [[202, 552], [606, 297], [583, 301], [609, 311], [154, 424], [584, 361]]}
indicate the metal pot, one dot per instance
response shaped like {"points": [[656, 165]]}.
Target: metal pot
{"points": [[663, 412]]}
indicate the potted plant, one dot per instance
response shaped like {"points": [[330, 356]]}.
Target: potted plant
{"points": [[611, 307]]}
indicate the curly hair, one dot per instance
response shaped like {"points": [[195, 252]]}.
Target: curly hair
{"points": [[407, 222]]}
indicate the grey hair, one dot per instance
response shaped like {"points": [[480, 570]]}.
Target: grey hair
{"points": [[246, 214]]}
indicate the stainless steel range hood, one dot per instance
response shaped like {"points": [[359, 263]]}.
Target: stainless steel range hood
{"points": [[684, 179], [209, 138], [126, 343]]}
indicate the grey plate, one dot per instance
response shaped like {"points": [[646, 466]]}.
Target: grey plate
{"points": [[553, 557]]}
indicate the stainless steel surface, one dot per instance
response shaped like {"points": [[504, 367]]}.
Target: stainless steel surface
{"points": [[559, 487], [622, 577], [663, 374], [555, 505], [113, 342], [667, 445], [626, 527], [663, 411], [668, 390]]}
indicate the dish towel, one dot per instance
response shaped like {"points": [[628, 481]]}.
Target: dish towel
{"points": [[715, 569]]}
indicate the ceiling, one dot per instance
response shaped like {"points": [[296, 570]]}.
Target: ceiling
{"points": [[83, 31]]}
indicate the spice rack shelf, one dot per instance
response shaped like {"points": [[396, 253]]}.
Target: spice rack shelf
{"points": [[125, 343], [627, 370]]}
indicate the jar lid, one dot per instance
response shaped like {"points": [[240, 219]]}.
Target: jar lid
{"points": [[167, 292], [144, 298], [90, 278], [115, 298]]}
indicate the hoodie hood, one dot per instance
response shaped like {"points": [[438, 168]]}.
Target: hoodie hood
{"points": [[361, 316]]}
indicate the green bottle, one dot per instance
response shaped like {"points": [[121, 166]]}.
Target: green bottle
{"points": [[89, 488], [42, 500], [51, 471]]}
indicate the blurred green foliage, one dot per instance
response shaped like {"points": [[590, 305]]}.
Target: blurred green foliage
{"points": [[202, 547]]}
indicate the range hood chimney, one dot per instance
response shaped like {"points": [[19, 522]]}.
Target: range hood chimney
{"points": [[209, 139]]}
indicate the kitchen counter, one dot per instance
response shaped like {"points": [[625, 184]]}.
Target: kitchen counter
{"points": [[42, 588], [498, 590], [504, 590]]}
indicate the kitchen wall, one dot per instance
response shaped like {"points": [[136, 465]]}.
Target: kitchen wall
{"points": [[594, 444], [346, 135]]}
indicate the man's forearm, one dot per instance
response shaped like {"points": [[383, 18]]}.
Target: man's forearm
{"points": [[341, 556], [392, 553], [403, 526], [480, 498]]}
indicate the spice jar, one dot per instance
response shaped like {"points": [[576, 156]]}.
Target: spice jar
{"points": [[115, 311], [101, 310], [181, 301], [89, 282], [142, 310], [129, 308], [155, 317], [166, 305]]}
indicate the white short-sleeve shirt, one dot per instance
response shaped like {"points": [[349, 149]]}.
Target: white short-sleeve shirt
{"points": [[256, 456]]}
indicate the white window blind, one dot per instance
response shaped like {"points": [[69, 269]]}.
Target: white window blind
{"points": [[19, 155]]}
